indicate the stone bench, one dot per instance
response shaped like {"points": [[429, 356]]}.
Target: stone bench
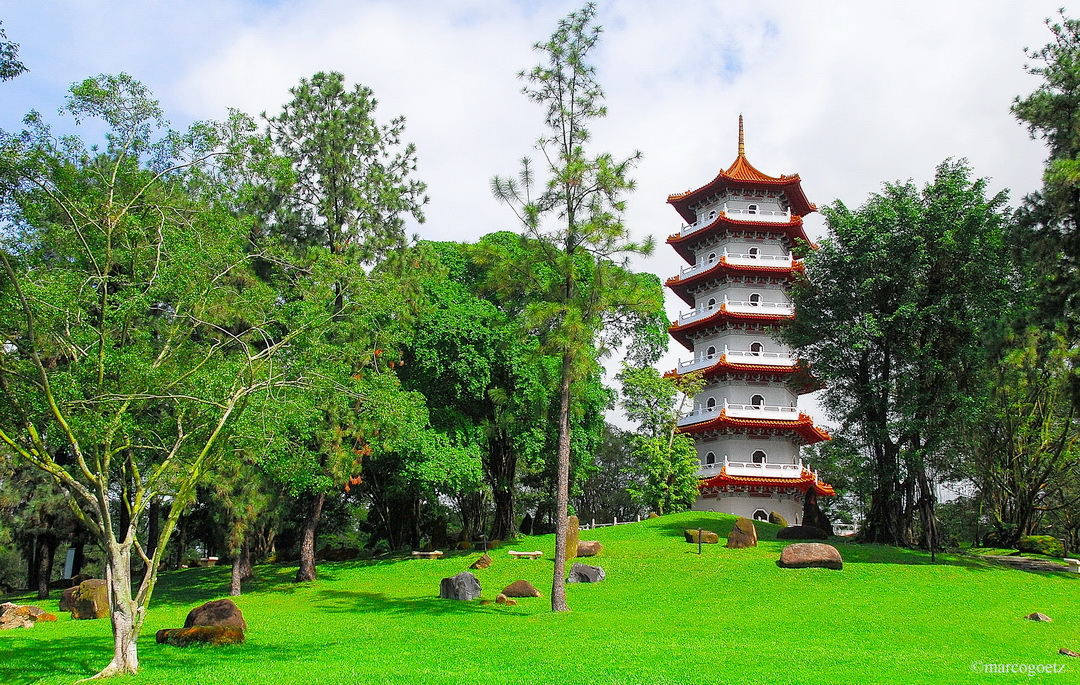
{"points": [[1074, 565], [526, 555], [427, 555]]}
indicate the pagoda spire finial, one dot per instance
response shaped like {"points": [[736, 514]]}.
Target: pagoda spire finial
{"points": [[742, 147]]}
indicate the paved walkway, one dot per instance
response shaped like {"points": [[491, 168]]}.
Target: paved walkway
{"points": [[1021, 563]]}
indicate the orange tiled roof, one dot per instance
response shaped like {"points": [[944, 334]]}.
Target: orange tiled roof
{"points": [[680, 286], [680, 331], [804, 482], [804, 426], [791, 229], [742, 173]]}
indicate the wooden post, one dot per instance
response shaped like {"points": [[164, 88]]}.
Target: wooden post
{"points": [[699, 532]]}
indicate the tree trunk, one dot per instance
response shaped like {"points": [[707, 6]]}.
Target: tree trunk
{"points": [[77, 559], [241, 569], [562, 486], [46, 548], [306, 572], [126, 618], [502, 470], [153, 526], [32, 553]]}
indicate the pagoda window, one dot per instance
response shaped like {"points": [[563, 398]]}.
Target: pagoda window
{"points": [[756, 349], [759, 457], [709, 353], [755, 299], [710, 403], [712, 214], [753, 252], [710, 458], [751, 209], [761, 515], [712, 303], [712, 258], [757, 401]]}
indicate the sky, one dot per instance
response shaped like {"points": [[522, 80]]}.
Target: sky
{"points": [[848, 94]]}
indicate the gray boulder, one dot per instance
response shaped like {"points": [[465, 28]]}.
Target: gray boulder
{"points": [[463, 586], [583, 573]]}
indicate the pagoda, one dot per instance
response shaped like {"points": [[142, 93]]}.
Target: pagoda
{"points": [[746, 425]]}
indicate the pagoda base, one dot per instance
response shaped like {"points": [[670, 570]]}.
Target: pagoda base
{"points": [[754, 505]]}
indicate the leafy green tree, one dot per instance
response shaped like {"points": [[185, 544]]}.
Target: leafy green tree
{"points": [[606, 491], [1049, 219], [134, 333], [667, 459], [338, 207], [10, 66], [484, 378], [584, 300], [893, 317], [1026, 445]]}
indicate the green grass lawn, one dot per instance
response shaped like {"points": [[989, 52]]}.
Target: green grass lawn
{"points": [[664, 615]]}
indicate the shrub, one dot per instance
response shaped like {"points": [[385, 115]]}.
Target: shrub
{"points": [[1041, 544]]}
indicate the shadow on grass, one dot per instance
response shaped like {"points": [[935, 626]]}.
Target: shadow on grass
{"points": [[74, 658], [191, 586], [352, 601]]}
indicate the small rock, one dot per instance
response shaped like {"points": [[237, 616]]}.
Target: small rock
{"points": [[810, 555], [588, 548], [1038, 617], [464, 586], [801, 533], [483, 562], [465, 545], [778, 519], [743, 534], [1067, 652], [707, 536], [22, 616], [220, 612], [503, 599], [583, 573], [521, 588]]}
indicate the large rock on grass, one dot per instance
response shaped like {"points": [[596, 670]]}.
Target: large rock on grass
{"points": [[520, 588], [483, 562], [583, 573], [209, 635], [743, 534], [801, 533], [707, 536], [572, 532], [588, 548], [777, 518], [67, 598], [811, 555], [463, 586], [90, 600], [220, 612]]}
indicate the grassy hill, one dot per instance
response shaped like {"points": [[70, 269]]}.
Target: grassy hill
{"points": [[664, 615]]}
